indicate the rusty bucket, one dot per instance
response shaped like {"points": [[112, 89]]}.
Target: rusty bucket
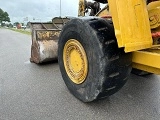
{"points": [[45, 39]]}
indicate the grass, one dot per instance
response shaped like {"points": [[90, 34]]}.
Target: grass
{"points": [[21, 31]]}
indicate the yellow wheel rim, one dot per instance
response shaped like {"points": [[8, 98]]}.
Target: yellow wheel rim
{"points": [[75, 61]]}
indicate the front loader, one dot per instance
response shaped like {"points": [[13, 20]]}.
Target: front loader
{"points": [[97, 53], [44, 39]]}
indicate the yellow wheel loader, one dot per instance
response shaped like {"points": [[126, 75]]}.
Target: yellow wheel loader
{"points": [[97, 53]]}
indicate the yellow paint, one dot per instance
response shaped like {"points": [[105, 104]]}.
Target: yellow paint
{"points": [[154, 14], [148, 60], [153, 5], [132, 28], [146, 68], [75, 61], [81, 9]]}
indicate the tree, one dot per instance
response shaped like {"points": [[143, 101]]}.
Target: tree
{"points": [[10, 25], [16, 23], [4, 17], [1, 15], [28, 24], [22, 24]]}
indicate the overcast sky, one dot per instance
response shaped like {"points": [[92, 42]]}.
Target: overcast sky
{"points": [[41, 10]]}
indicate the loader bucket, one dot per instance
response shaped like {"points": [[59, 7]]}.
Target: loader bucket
{"points": [[45, 40]]}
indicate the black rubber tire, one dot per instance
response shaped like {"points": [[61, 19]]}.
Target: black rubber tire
{"points": [[108, 66], [140, 72]]}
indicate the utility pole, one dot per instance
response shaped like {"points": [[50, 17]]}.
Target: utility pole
{"points": [[60, 8]]}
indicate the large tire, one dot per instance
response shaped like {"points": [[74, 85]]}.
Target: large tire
{"points": [[108, 66]]}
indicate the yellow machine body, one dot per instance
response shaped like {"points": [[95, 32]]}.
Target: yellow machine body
{"points": [[134, 23], [148, 59], [131, 23]]}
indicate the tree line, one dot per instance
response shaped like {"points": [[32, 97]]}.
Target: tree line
{"points": [[4, 16]]}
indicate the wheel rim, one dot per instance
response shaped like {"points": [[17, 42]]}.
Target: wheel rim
{"points": [[75, 61]]}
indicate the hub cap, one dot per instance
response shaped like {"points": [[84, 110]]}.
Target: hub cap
{"points": [[75, 61]]}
